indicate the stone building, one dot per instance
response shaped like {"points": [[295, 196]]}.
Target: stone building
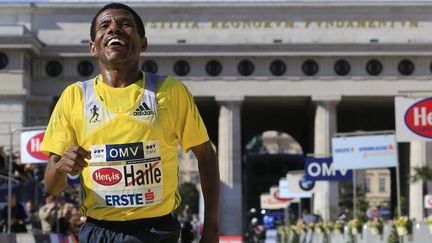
{"points": [[306, 68]]}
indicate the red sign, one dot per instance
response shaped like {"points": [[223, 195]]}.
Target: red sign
{"points": [[418, 118], [33, 147], [107, 176], [428, 201], [277, 197]]}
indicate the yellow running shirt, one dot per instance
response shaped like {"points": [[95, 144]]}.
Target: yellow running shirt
{"points": [[133, 134]]}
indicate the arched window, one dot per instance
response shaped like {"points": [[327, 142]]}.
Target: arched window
{"points": [[4, 60], [213, 68], [149, 66], [277, 68], [374, 67], [245, 68], [342, 67], [406, 67], [181, 68], [85, 68], [310, 67], [53, 68]]}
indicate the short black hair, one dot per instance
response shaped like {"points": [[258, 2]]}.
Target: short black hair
{"points": [[137, 18]]}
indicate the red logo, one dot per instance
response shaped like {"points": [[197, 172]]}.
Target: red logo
{"points": [[149, 195], [277, 197], [107, 176], [430, 201], [418, 118], [34, 145]]}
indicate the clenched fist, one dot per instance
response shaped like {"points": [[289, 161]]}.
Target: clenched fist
{"points": [[72, 161]]}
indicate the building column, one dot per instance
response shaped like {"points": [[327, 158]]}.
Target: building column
{"points": [[420, 153], [326, 193], [229, 152], [12, 110]]}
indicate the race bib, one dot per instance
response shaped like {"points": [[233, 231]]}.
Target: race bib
{"points": [[126, 175]]}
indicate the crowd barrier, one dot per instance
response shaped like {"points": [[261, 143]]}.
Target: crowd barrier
{"points": [[35, 238], [420, 234]]}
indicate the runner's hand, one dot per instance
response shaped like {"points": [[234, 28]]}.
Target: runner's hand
{"points": [[72, 161]]}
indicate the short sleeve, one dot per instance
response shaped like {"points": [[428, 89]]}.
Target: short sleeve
{"points": [[188, 124], [60, 133]]}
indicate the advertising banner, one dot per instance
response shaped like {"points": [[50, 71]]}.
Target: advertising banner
{"points": [[73, 179], [30, 147], [428, 201], [268, 202], [363, 152], [413, 119], [322, 169], [295, 186]]}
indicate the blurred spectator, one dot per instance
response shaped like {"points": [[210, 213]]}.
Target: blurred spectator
{"points": [[185, 214], [18, 216], [308, 218], [198, 226], [17, 167], [48, 215], [256, 232], [75, 222], [187, 231], [3, 157], [33, 217]]}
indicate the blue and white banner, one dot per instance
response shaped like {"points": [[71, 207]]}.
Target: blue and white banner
{"points": [[73, 179], [363, 152], [322, 169]]}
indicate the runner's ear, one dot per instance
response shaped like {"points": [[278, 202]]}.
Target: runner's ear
{"points": [[144, 44], [92, 49]]}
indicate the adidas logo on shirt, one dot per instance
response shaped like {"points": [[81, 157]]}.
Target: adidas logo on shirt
{"points": [[143, 110]]}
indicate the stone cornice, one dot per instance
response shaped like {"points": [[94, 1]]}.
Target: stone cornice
{"points": [[27, 42], [21, 94], [184, 50]]}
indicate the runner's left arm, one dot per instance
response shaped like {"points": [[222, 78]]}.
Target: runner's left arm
{"points": [[210, 183]]}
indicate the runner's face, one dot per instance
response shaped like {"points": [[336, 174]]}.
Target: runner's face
{"points": [[117, 40]]}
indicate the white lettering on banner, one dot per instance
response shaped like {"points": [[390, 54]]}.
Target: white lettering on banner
{"points": [[422, 117], [123, 152], [35, 145], [103, 177], [315, 169]]}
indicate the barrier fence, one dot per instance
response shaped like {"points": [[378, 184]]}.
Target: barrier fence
{"points": [[421, 233]]}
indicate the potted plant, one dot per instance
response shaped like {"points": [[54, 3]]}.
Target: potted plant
{"points": [[355, 226], [429, 222], [403, 225], [319, 227], [298, 228], [338, 227], [328, 227], [376, 226]]}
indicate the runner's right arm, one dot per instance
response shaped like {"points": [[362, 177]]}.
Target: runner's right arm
{"points": [[72, 162]]}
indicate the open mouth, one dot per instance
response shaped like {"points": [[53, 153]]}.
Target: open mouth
{"points": [[116, 42]]}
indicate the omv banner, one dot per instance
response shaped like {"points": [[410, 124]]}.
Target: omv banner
{"points": [[413, 119], [363, 152], [322, 169]]}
